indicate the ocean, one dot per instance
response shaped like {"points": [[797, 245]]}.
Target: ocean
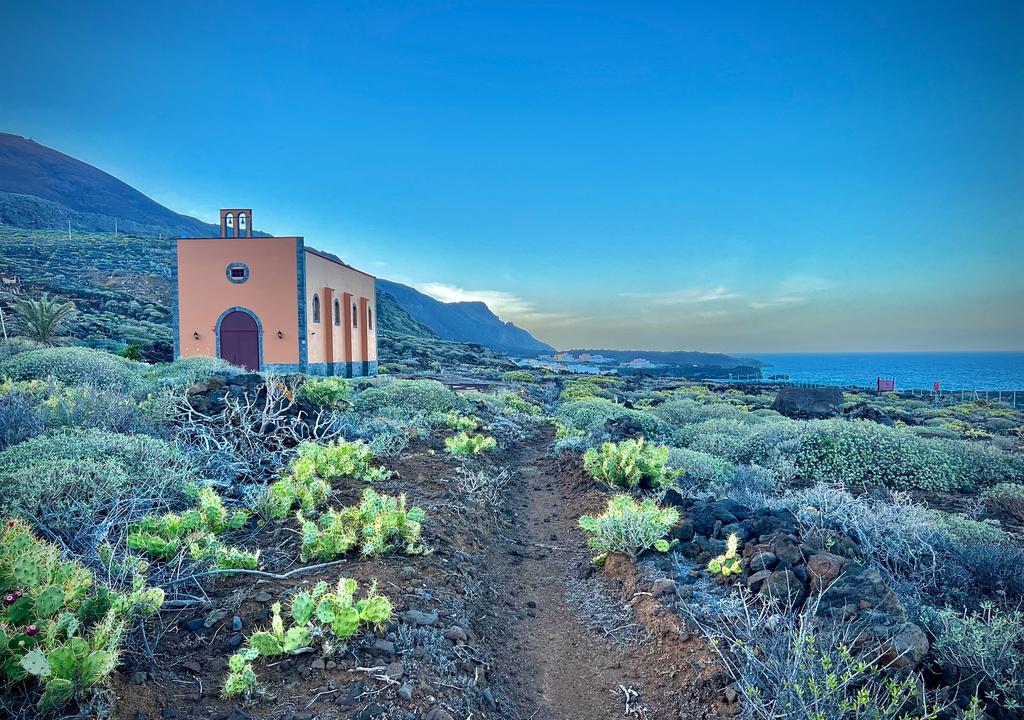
{"points": [[912, 371]]}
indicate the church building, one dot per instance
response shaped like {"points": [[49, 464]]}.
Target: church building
{"points": [[272, 303]]}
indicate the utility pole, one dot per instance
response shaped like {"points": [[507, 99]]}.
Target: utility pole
{"points": [[115, 228], [69, 229], [3, 324]]}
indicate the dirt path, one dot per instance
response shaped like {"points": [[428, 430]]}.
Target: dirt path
{"points": [[564, 669]]}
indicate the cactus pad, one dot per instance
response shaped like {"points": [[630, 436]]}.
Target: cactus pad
{"points": [[50, 600], [35, 663]]}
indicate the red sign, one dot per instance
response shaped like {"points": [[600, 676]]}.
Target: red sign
{"points": [[886, 384], [935, 386]]}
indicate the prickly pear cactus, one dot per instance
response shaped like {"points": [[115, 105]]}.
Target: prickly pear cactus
{"points": [[50, 600], [302, 608], [26, 571], [35, 663], [58, 693], [265, 644]]}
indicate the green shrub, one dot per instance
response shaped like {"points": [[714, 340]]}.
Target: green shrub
{"points": [[406, 398], [630, 464], [314, 612], [77, 366], [701, 469], [513, 404], [589, 417], [185, 372], [1007, 498], [466, 445], [379, 525], [330, 392], [519, 376], [76, 475], [867, 453], [629, 527], [131, 352], [582, 389], [456, 421], [985, 648], [803, 667], [62, 629]]}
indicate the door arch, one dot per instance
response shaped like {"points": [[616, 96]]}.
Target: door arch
{"points": [[240, 338]]}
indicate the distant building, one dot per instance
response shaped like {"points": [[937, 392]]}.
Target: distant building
{"points": [[585, 357], [564, 356], [638, 363], [271, 303]]}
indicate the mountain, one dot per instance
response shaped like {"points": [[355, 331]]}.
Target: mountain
{"points": [[469, 322], [394, 319], [43, 188]]}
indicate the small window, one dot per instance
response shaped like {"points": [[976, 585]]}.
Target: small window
{"points": [[355, 315], [237, 273], [337, 313], [369, 318], [316, 308]]}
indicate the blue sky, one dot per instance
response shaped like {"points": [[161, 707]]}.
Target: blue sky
{"points": [[709, 176]]}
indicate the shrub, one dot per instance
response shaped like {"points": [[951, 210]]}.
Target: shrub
{"points": [[22, 414], [406, 398], [629, 527], [456, 421], [519, 376], [72, 626], [985, 648], [513, 404], [131, 352], [589, 417], [312, 613], [76, 366], [379, 525], [466, 445], [331, 392], [1007, 498], [801, 667], [700, 469], [164, 536], [185, 372], [630, 464], [867, 453], [73, 477], [582, 389]]}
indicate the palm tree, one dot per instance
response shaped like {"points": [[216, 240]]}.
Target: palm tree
{"points": [[43, 317]]}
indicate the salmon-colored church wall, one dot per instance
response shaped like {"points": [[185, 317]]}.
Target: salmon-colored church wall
{"points": [[325, 274], [271, 292]]}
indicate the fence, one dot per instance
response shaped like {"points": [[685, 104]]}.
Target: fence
{"points": [[1013, 398]]}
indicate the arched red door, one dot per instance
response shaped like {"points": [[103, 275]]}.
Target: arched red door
{"points": [[240, 340]]}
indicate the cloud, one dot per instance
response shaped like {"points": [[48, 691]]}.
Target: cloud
{"points": [[686, 296], [504, 304], [803, 284], [775, 302]]}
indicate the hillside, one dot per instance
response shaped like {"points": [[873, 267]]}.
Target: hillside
{"points": [[471, 322], [43, 188], [103, 276]]}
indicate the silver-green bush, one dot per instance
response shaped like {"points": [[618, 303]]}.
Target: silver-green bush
{"points": [[77, 366]]}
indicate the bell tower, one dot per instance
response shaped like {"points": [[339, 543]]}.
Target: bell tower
{"points": [[236, 222]]}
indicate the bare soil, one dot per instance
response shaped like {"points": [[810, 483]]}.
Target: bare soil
{"points": [[546, 635]]}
